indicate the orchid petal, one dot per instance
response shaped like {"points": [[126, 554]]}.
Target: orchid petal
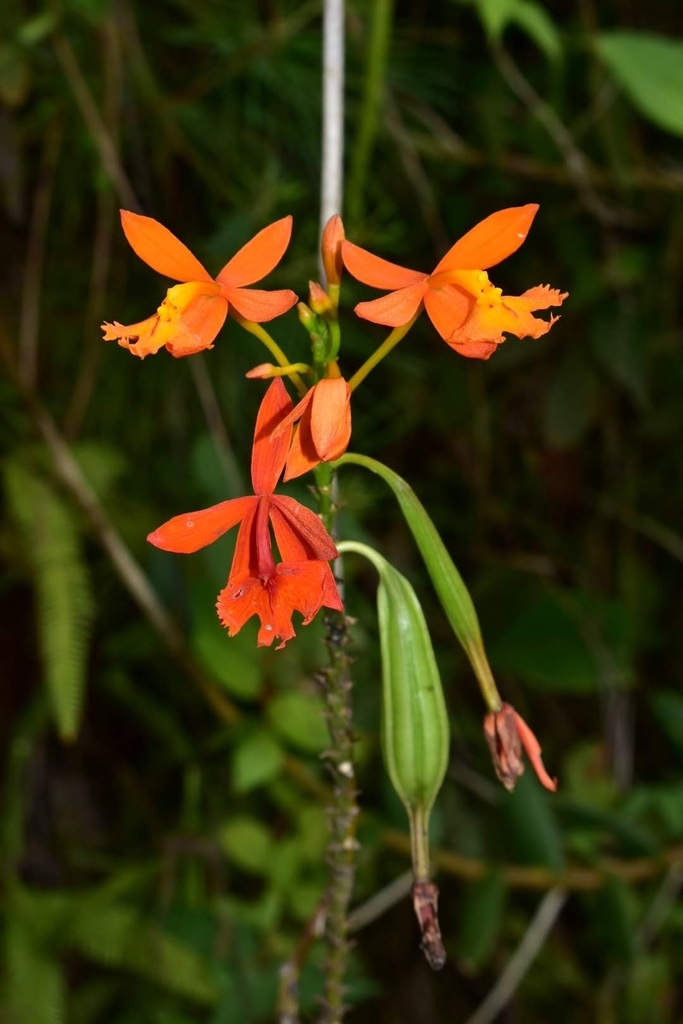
{"points": [[447, 308], [259, 256], [191, 531], [491, 240], [395, 309], [270, 446], [160, 248], [375, 271], [258, 305], [306, 526]]}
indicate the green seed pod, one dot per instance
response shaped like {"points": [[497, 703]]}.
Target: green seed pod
{"points": [[415, 733]]}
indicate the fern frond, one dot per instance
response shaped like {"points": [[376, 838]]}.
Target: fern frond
{"points": [[64, 603]]}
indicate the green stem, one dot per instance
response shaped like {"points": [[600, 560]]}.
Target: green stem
{"points": [[384, 349], [262, 334]]}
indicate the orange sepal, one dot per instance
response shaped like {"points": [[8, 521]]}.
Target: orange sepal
{"points": [[491, 240], [258, 257], [375, 271], [160, 248], [191, 531], [260, 306], [270, 446]]}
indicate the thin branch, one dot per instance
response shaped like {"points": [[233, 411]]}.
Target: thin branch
{"points": [[102, 139], [215, 423], [442, 143], [535, 936], [102, 241], [575, 161], [35, 254], [378, 904]]}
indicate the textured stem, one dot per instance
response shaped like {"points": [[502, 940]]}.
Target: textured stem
{"points": [[336, 685]]}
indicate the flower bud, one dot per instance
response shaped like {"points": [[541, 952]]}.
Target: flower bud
{"points": [[319, 300], [332, 238], [507, 734]]}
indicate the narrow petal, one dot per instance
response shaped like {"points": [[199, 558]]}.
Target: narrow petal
{"points": [[270, 447], [198, 325], [376, 272], [194, 530], [160, 248], [260, 306], [396, 308], [258, 257], [331, 418], [532, 749], [291, 517], [492, 240], [448, 308]]}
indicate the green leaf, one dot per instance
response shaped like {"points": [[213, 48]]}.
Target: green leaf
{"points": [[298, 718], [535, 21], [247, 843], [35, 991], [649, 68], [480, 918], [530, 17], [256, 760], [64, 603]]}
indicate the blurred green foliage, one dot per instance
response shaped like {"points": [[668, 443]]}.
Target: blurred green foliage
{"points": [[163, 830]]}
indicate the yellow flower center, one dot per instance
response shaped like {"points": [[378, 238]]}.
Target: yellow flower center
{"points": [[180, 296], [475, 282]]}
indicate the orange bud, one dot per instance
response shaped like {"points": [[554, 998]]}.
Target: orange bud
{"points": [[507, 733], [333, 236]]}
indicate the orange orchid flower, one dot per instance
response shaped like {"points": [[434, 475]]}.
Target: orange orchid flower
{"points": [[467, 311], [303, 580], [193, 312], [324, 417], [507, 734]]}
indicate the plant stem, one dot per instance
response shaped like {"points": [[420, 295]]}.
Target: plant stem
{"points": [[262, 334], [384, 349], [343, 812]]}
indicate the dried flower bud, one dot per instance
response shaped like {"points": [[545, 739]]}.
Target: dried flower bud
{"points": [[507, 734], [333, 236], [318, 299]]}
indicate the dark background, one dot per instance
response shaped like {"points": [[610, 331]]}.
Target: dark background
{"points": [[162, 822]]}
